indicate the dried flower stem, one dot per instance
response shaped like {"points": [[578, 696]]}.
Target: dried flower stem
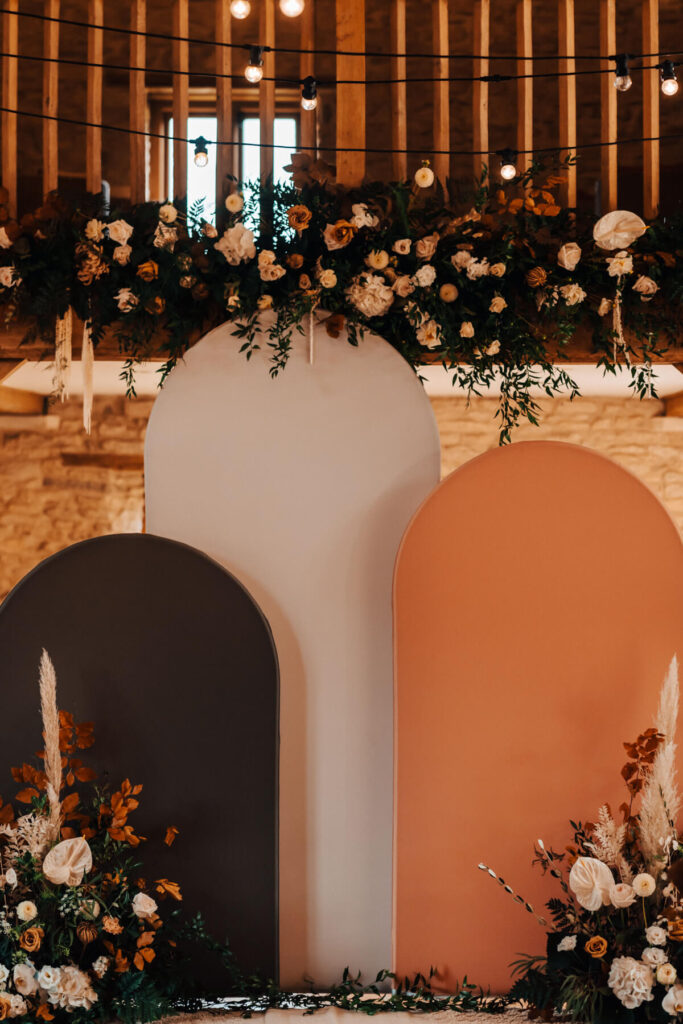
{"points": [[515, 896], [53, 757]]}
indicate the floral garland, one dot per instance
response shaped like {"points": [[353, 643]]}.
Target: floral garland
{"points": [[494, 289], [615, 953]]}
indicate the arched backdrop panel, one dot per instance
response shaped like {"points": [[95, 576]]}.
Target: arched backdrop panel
{"points": [[538, 602], [303, 486], [174, 662]]}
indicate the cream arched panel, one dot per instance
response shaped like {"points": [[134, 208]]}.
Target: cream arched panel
{"points": [[302, 487]]}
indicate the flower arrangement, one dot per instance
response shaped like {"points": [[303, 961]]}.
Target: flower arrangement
{"points": [[615, 951], [493, 288]]}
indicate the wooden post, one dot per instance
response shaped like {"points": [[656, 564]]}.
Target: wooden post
{"points": [[308, 121], [567, 91], [93, 136], [10, 42], [399, 122], [608, 106], [442, 134], [266, 102], [481, 13], [350, 15], [136, 119], [525, 86], [158, 165], [651, 110], [181, 96], [224, 154], [50, 97]]}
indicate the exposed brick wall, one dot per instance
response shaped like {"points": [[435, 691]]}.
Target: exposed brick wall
{"points": [[46, 505]]}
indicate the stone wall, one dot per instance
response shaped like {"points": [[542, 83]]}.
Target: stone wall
{"points": [[47, 503]]}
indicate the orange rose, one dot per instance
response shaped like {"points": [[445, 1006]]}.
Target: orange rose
{"points": [[596, 947], [299, 217], [5, 1003], [676, 929], [295, 261], [148, 271], [338, 236], [31, 939]]}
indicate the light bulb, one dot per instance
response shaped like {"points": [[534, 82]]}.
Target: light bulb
{"points": [[622, 79], [254, 69], [508, 168], [201, 154], [309, 93], [292, 8], [669, 80], [623, 83], [240, 9]]}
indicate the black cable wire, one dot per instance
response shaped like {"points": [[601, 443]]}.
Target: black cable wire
{"points": [[327, 52], [333, 149]]}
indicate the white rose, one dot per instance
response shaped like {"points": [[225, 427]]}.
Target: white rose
{"points": [[328, 278], [265, 258], [655, 935], [493, 349], [403, 286], [644, 885], [237, 245], [572, 294], [7, 279], [622, 895], [48, 978], [646, 287], [168, 213], [461, 259], [466, 329], [498, 304], [448, 293], [569, 255], [591, 881], [567, 944], [424, 177], [5, 240], [619, 265], [370, 294], [122, 253], [126, 300], [143, 905], [673, 1000], [666, 974], [24, 978], [27, 910], [68, 861], [94, 230], [362, 218], [618, 229], [497, 269], [604, 307], [4, 974], [120, 231], [426, 247], [653, 956], [234, 202], [425, 276], [378, 259], [271, 272], [402, 246]]}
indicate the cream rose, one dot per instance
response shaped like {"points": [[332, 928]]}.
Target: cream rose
{"points": [[448, 293], [143, 905], [378, 259], [426, 247], [493, 349], [165, 237], [17, 1006], [655, 935], [461, 259], [653, 956], [644, 885], [209, 230], [497, 304], [121, 254], [24, 978], [68, 861], [466, 329], [7, 279], [271, 272], [591, 881], [402, 246], [234, 203], [646, 287], [4, 974], [666, 974], [497, 269], [48, 978], [264, 302], [27, 910], [168, 213], [567, 944], [94, 230], [328, 279], [477, 269], [572, 294], [569, 255], [5, 240], [120, 231], [403, 286], [622, 895]]}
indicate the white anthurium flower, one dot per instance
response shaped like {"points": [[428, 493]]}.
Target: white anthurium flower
{"points": [[618, 229], [591, 881]]}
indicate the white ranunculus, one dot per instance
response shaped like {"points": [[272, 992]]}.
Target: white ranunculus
{"points": [[590, 880], [168, 213], [621, 896], [618, 229], [666, 974], [143, 905], [5, 240], [68, 861], [370, 294], [654, 956], [466, 329], [425, 276], [644, 885], [673, 1000], [567, 944], [569, 255], [655, 935], [234, 203], [27, 910], [17, 1006], [120, 231], [24, 978], [630, 981], [497, 304], [572, 294], [48, 978], [237, 245], [646, 287]]}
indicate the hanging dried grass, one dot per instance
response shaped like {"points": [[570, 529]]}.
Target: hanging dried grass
{"points": [[53, 757]]}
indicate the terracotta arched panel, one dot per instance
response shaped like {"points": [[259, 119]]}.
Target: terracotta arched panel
{"points": [[303, 487], [538, 601], [174, 662]]}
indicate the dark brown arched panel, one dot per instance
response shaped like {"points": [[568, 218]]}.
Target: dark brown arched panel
{"points": [[175, 663]]}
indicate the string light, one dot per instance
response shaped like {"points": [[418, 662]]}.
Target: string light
{"points": [[669, 80], [240, 9], [201, 153], [254, 69], [309, 93], [508, 164], [292, 8], [622, 79]]}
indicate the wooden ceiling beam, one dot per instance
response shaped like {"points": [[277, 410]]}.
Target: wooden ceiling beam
{"points": [[673, 405], [21, 403], [8, 367]]}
